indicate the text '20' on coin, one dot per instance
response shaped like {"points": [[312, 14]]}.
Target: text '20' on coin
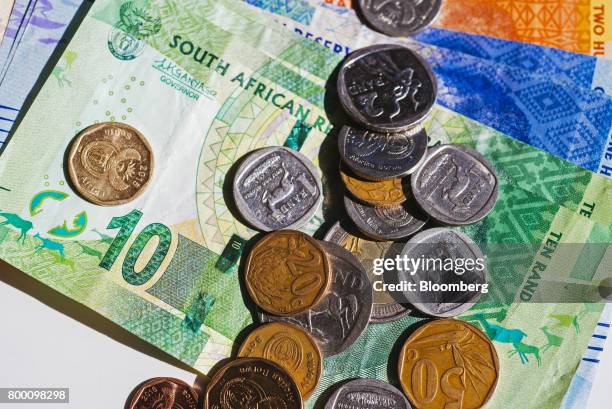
{"points": [[251, 383], [384, 307], [447, 258], [367, 394], [399, 18], [290, 347], [448, 363], [380, 193], [379, 156], [110, 163], [287, 272], [455, 185], [386, 88], [277, 188], [164, 393], [334, 327]]}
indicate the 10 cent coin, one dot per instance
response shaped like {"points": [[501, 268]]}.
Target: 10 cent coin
{"points": [[164, 393]]}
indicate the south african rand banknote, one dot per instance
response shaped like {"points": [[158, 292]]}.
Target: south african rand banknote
{"points": [[568, 121], [581, 26], [5, 12], [20, 15], [203, 114]]}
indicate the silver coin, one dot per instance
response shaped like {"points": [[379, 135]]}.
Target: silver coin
{"points": [[443, 255], [342, 316], [455, 185], [384, 307], [386, 87], [399, 18], [277, 188], [380, 156], [386, 223], [367, 394]]}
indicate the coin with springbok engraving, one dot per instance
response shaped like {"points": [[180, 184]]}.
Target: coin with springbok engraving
{"points": [[164, 393], [277, 188], [380, 156], [399, 18], [287, 272], [290, 347], [367, 394], [341, 317], [448, 363], [455, 185], [110, 163], [386, 87], [252, 383]]}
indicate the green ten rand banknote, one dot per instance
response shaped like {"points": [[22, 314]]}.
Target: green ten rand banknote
{"points": [[193, 77]]}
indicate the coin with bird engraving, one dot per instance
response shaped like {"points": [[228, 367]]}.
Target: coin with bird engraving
{"points": [[164, 393], [399, 18], [367, 394]]}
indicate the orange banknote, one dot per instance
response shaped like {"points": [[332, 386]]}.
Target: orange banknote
{"points": [[583, 26]]}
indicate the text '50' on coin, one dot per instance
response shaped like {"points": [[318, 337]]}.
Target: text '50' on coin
{"points": [[367, 394], [447, 363], [381, 193], [277, 188], [164, 393], [341, 317], [290, 347], [455, 185], [252, 383], [399, 18], [386, 88], [448, 258], [287, 272], [379, 156], [110, 163]]}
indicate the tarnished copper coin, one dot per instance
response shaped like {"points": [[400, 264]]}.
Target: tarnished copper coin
{"points": [[110, 163], [383, 193], [252, 383], [287, 272], [448, 363], [290, 347], [164, 393]]}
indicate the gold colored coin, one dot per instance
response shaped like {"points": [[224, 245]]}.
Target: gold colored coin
{"points": [[287, 272], [448, 363], [290, 347], [110, 163], [383, 193]]}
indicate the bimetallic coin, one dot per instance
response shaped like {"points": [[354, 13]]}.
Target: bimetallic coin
{"points": [[382, 193], [448, 363], [380, 156], [447, 258], [277, 188], [164, 393], [110, 163], [386, 87], [399, 18], [455, 185], [384, 307], [287, 272], [252, 383], [367, 394], [290, 347], [340, 318], [385, 223]]}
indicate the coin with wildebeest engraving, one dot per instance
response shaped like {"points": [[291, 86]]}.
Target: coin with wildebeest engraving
{"points": [[110, 163], [367, 394], [164, 393], [277, 188], [386, 87], [399, 18]]}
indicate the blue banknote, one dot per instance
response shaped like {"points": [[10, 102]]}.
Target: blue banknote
{"points": [[18, 20]]}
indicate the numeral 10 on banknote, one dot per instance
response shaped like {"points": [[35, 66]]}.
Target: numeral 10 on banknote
{"points": [[126, 225]]}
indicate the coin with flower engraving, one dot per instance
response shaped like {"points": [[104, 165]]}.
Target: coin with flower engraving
{"points": [[367, 394], [290, 347], [455, 185], [110, 163], [164, 393], [277, 188], [399, 18], [386, 87], [379, 156]]}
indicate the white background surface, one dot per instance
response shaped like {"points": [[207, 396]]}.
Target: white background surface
{"points": [[100, 362]]}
